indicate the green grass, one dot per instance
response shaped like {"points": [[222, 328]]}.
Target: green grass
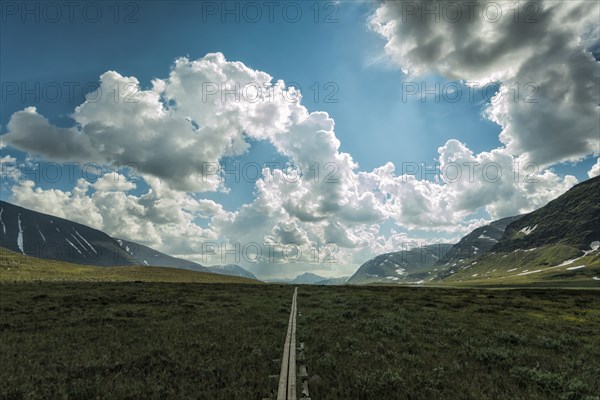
{"points": [[424, 343], [534, 267], [160, 341], [15, 267], [127, 340]]}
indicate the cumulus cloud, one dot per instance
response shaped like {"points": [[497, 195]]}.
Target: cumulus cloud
{"points": [[178, 130], [548, 104], [113, 181], [157, 220], [595, 170], [207, 109]]}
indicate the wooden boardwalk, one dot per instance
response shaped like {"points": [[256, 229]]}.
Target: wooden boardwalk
{"points": [[287, 376]]}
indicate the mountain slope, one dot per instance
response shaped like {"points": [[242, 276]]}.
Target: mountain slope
{"points": [[307, 278], [406, 266], [148, 256], [44, 236], [17, 267], [473, 246], [558, 244], [333, 281], [232, 270], [572, 219]]}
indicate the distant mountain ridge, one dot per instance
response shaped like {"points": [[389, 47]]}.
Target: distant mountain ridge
{"points": [[309, 278], [148, 256], [232, 270], [406, 266]]}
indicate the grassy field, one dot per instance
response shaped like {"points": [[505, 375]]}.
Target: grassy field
{"points": [[424, 343], [547, 266], [140, 340], [95, 340], [15, 267]]}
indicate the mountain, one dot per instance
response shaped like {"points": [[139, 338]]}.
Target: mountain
{"points": [[148, 256], [572, 219], [44, 236], [406, 266], [15, 267], [145, 255], [307, 278], [232, 270], [333, 281], [473, 246], [556, 245]]}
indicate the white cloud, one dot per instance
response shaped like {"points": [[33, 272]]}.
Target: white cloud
{"points": [[542, 53], [595, 170], [113, 181], [172, 131], [183, 122]]}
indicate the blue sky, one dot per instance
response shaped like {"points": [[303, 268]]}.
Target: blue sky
{"points": [[340, 49], [359, 84]]}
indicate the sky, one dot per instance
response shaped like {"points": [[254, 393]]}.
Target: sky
{"points": [[296, 136]]}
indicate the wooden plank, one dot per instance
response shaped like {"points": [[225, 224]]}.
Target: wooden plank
{"points": [[287, 375], [292, 367]]}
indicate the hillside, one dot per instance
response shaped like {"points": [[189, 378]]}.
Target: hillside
{"points": [[333, 281], [45, 236], [473, 246], [572, 219], [17, 267], [231, 269], [48, 237], [558, 244], [407, 266], [148, 256]]}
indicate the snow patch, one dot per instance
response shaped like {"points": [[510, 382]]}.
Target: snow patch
{"points": [[20, 235], [530, 272], [571, 261], [78, 242], [596, 278], [577, 267], [511, 270], [3, 226], [400, 271], [595, 245], [527, 230], [482, 236], [72, 245], [145, 262], [88, 243], [41, 234]]}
